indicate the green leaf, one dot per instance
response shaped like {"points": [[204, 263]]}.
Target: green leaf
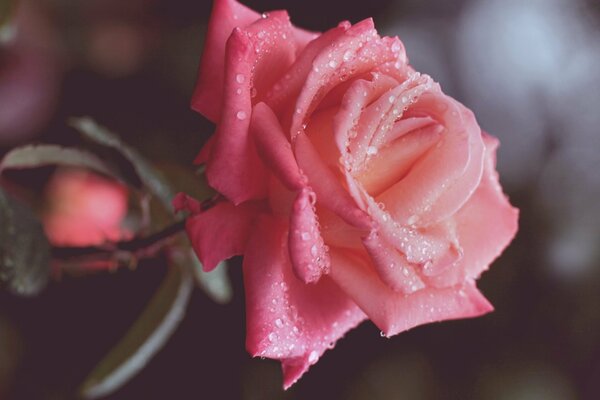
{"points": [[145, 338], [33, 156], [148, 175], [24, 249], [215, 283]]}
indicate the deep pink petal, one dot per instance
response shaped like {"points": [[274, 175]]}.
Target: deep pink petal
{"points": [[327, 186], [221, 232], [255, 57], [286, 319], [288, 87], [357, 51], [226, 15], [394, 312], [274, 147], [204, 154], [308, 253]]}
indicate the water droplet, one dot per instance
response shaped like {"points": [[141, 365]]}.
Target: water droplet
{"points": [[264, 15], [239, 78], [298, 110], [405, 271], [332, 64], [412, 219], [382, 334], [253, 92], [372, 150], [305, 235], [314, 250], [347, 55], [272, 337], [260, 34], [284, 36], [279, 323], [313, 357], [241, 115], [396, 47], [295, 329], [391, 99]]}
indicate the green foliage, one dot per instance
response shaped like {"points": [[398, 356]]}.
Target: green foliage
{"points": [[24, 249], [146, 337]]}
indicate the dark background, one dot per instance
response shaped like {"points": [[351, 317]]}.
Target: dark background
{"points": [[529, 70]]}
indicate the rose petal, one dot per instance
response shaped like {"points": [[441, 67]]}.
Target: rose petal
{"points": [[286, 319], [392, 267], [444, 179], [204, 154], [394, 161], [290, 84], [378, 118], [358, 96], [357, 51], [395, 312], [274, 147], [326, 185], [221, 232], [485, 225], [255, 57], [225, 16], [308, 253]]}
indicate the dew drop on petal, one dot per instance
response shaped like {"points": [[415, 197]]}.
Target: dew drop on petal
{"points": [[305, 235], [313, 250], [241, 115], [372, 150], [391, 99], [279, 323], [332, 64], [240, 78], [272, 337], [313, 357]]}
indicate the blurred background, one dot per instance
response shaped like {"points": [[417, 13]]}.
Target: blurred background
{"points": [[530, 70]]}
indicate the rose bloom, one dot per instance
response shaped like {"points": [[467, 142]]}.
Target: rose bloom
{"points": [[353, 187], [84, 209]]}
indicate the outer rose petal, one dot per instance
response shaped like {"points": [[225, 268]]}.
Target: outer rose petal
{"points": [[286, 319], [226, 15], [485, 225], [395, 312], [256, 56], [274, 147], [221, 232]]}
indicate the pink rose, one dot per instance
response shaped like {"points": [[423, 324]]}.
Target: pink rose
{"points": [[354, 188], [84, 209]]}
